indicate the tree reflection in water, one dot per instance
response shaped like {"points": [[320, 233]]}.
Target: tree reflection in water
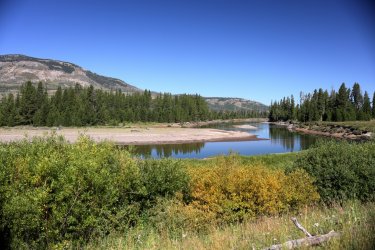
{"points": [[167, 150], [280, 141], [289, 140]]}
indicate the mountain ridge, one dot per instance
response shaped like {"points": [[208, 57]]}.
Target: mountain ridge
{"points": [[234, 104], [16, 69]]}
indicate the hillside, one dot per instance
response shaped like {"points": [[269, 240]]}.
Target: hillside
{"points": [[17, 69], [234, 104]]}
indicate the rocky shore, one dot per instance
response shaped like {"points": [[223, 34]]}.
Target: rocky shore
{"points": [[329, 130]]}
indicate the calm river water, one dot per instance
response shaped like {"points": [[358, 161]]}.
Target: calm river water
{"points": [[279, 140]]}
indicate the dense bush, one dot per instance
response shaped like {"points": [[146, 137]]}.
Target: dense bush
{"points": [[52, 191], [342, 170], [229, 191]]}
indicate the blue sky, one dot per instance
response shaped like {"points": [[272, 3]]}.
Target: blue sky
{"points": [[260, 50]]}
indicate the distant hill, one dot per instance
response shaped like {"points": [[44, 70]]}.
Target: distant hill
{"points": [[234, 104], [17, 69]]}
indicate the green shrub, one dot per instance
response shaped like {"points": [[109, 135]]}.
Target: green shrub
{"points": [[342, 170], [52, 191], [161, 178]]}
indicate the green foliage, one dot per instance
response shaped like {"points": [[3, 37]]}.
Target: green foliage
{"points": [[343, 105], [54, 194], [366, 108], [52, 191], [88, 106], [341, 170]]}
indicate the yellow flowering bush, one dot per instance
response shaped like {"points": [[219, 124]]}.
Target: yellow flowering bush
{"points": [[234, 191]]}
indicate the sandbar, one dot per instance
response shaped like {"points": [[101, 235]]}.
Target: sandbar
{"points": [[130, 136], [246, 127]]}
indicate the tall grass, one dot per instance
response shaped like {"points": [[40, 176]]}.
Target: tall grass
{"points": [[355, 221]]}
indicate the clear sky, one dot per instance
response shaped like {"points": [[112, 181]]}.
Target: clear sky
{"points": [[260, 50]]}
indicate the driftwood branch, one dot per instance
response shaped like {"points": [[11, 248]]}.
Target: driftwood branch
{"points": [[308, 241], [300, 227]]}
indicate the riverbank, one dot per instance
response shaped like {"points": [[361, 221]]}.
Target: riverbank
{"points": [[207, 123], [134, 135], [352, 130]]}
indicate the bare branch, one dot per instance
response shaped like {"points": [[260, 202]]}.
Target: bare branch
{"points": [[300, 227]]}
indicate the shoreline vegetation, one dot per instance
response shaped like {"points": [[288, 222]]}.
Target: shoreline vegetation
{"points": [[349, 130], [345, 113], [47, 186]]}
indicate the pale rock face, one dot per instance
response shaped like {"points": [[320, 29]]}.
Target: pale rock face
{"points": [[234, 104], [15, 70]]}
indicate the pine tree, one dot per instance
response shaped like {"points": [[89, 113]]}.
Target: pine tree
{"points": [[2, 111], [343, 108], [366, 109], [9, 111], [373, 105], [357, 100], [28, 103], [327, 115]]}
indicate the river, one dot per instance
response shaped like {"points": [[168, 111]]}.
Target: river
{"points": [[277, 140]]}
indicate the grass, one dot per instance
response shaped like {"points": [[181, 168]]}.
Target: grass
{"points": [[274, 161], [355, 222], [358, 125]]}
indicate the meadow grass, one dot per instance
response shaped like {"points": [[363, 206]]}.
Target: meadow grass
{"points": [[274, 161], [353, 220], [358, 125]]}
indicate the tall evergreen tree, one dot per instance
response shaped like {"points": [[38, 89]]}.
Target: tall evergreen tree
{"points": [[357, 100], [344, 109], [28, 103], [292, 109], [366, 107]]}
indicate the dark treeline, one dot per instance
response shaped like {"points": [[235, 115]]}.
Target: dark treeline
{"points": [[344, 105], [88, 106]]}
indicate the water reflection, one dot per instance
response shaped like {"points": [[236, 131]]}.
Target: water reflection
{"points": [[279, 140], [168, 150], [290, 141]]}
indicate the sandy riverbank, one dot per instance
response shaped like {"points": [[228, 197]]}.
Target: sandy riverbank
{"points": [[131, 136]]}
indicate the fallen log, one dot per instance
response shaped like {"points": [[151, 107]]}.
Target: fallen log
{"points": [[308, 241]]}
